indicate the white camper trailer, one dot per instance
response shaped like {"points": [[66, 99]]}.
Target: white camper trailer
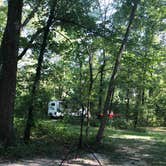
{"points": [[55, 109]]}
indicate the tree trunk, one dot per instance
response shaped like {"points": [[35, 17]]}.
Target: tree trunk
{"points": [[89, 92], [100, 103], [137, 107], [101, 84], [30, 121], [8, 69], [79, 100], [81, 128], [164, 120], [128, 95], [31, 14], [114, 75], [30, 43], [127, 104]]}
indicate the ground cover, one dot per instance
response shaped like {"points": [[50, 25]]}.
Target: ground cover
{"points": [[52, 141]]}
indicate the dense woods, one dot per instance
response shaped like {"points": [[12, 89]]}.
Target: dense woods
{"points": [[105, 58]]}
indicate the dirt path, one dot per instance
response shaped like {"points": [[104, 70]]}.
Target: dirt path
{"points": [[87, 160]]}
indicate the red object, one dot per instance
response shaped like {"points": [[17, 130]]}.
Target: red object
{"points": [[111, 115]]}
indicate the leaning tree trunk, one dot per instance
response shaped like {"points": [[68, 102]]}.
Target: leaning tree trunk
{"points": [[30, 121], [8, 69], [114, 75]]}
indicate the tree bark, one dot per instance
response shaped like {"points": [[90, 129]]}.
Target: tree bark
{"points": [[127, 104], [89, 92], [101, 84], [80, 101], [114, 75], [104, 18], [137, 107], [30, 121], [8, 69], [81, 128]]}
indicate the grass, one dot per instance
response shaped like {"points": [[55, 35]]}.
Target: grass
{"points": [[146, 145], [53, 139]]}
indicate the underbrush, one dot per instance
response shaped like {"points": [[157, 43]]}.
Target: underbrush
{"points": [[48, 138], [54, 138]]}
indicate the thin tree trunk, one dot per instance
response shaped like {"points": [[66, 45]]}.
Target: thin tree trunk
{"points": [[30, 43], [100, 103], [30, 121], [81, 104], [111, 101], [81, 129], [8, 69], [101, 84], [114, 75], [137, 106], [128, 95], [31, 14], [143, 84], [164, 120], [100, 93], [143, 96], [89, 92], [127, 104]]}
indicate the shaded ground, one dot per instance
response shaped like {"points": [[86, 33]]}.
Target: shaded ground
{"points": [[139, 148], [120, 147]]}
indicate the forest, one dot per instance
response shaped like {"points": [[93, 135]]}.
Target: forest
{"points": [[83, 82]]}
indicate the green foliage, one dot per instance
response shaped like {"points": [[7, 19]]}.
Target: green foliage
{"points": [[3, 11], [120, 123], [56, 132], [84, 29]]}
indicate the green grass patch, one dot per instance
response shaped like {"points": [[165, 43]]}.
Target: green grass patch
{"points": [[54, 138]]}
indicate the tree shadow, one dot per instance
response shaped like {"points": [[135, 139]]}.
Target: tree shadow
{"points": [[138, 152]]}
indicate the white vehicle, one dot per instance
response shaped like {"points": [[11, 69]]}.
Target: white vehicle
{"points": [[55, 109]]}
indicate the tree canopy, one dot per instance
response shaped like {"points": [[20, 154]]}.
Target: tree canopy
{"points": [[98, 55]]}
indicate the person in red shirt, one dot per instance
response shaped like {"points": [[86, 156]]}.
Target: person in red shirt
{"points": [[111, 115]]}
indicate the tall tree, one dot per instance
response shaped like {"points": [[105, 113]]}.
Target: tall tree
{"points": [[8, 69], [114, 74], [90, 61], [38, 74]]}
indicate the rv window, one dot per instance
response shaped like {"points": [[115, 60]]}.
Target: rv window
{"points": [[52, 104]]}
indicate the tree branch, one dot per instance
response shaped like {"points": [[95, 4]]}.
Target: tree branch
{"points": [[34, 36], [31, 15]]}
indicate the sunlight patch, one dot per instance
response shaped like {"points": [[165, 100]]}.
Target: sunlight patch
{"points": [[132, 137]]}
